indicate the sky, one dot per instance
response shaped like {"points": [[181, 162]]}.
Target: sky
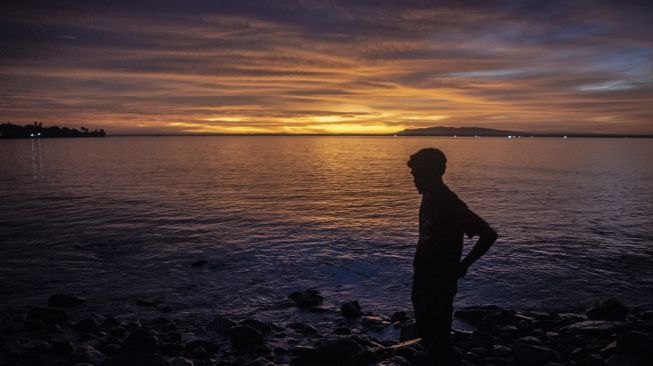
{"points": [[325, 66]]}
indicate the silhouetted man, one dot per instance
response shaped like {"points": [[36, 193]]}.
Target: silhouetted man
{"points": [[444, 219]]}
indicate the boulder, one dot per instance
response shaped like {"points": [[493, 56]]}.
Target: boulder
{"points": [[64, 300], [474, 314], [306, 299], [48, 314], [87, 354], [608, 310], [395, 361], [221, 324], [375, 322], [351, 310], [302, 328], [528, 354], [140, 340], [596, 327], [244, 336], [399, 316], [636, 342], [408, 330], [262, 327], [181, 361], [88, 325]]}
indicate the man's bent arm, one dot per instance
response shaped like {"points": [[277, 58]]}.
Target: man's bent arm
{"points": [[487, 237]]}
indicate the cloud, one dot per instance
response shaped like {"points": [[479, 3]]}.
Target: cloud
{"points": [[306, 66]]}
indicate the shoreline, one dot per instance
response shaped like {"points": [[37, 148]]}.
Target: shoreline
{"points": [[62, 333]]}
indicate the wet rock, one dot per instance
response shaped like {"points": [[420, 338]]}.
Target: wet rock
{"points": [[395, 361], [88, 325], [221, 324], [608, 350], [501, 350], [399, 316], [608, 310], [244, 336], [406, 349], [137, 359], [302, 328], [162, 323], [307, 299], [636, 342], [171, 337], [332, 350], [497, 361], [374, 322], [342, 331], [408, 331], [260, 362], [474, 314], [351, 310], [530, 340], [117, 332], [34, 325], [596, 327], [209, 346], [140, 340], [262, 327], [199, 263], [527, 354], [62, 348], [420, 358], [181, 361], [64, 300], [87, 354], [48, 314], [646, 315], [364, 357], [501, 317]]}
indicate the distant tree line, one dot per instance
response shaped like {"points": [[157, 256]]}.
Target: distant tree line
{"points": [[36, 130]]}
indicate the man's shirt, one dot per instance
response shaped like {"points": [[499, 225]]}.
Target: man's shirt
{"points": [[444, 219]]}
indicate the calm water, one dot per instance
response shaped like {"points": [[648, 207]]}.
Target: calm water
{"points": [[119, 219]]}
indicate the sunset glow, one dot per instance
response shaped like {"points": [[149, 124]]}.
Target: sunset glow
{"points": [[328, 66]]}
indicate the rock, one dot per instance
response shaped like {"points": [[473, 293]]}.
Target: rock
{"points": [[64, 300], [408, 331], [244, 336], [399, 316], [646, 315], [608, 350], [609, 310], [48, 314], [209, 346], [530, 340], [137, 359], [199, 263], [474, 314], [374, 322], [140, 340], [62, 348], [501, 317], [87, 354], [162, 323], [307, 299], [420, 358], [260, 362], [117, 332], [501, 350], [395, 361], [262, 327], [336, 350], [351, 310], [302, 328], [221, 324], [181, 361], [596, 327], [171, 337], [527, 354], [636, 342], [88, 325], [406, 349], [497, 361], [342, 331]]}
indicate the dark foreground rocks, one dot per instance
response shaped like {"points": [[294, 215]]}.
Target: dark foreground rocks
{"points": [[608, 334]]}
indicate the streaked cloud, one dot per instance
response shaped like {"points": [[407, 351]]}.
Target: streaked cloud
{"points": [[328, 66]]}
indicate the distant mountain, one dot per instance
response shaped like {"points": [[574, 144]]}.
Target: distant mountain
{"points": [[459, 131]]}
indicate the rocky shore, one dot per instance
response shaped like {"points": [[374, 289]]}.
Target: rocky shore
{"points": [[61, 333]]}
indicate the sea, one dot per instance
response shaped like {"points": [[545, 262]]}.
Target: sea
{"points": [[121, 220]]}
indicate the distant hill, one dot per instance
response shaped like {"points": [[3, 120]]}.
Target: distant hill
{"points": [[459, 131], [480, 131]]}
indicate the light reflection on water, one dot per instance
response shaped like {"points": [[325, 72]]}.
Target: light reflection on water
{"points": [[122, 218]]}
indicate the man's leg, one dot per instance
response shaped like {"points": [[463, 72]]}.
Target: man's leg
{"points": [[433, 306]]}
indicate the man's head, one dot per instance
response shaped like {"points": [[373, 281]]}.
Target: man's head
{"points": [[427, 167]]}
